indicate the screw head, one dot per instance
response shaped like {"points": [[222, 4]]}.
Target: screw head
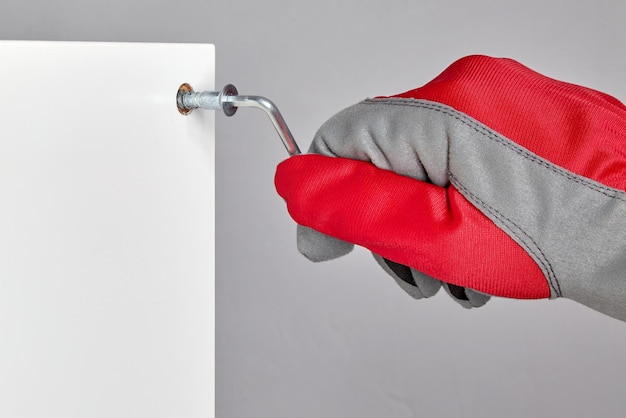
{"points": [[183, 90]]}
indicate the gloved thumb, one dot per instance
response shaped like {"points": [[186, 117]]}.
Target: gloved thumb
{"points": [[432, 229]]}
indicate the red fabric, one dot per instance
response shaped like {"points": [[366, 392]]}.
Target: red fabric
{"points": [[579, 129], [432, 229]]}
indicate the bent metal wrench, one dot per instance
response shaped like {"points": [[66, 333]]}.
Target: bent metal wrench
{"points": [[229, 100]]}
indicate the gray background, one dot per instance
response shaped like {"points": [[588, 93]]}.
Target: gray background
{"points": [[339, 339]]}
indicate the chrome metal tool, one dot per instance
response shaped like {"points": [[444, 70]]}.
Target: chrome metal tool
{"points": [[228, 100]]}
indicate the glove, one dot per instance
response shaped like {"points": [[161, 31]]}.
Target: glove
{"points": [[491, 177]]}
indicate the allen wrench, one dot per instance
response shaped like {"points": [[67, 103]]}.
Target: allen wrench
{"points": [[228, 100]]}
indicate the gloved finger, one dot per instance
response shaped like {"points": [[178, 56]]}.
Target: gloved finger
{"points": [[419, 285], [432, 229], [403, 139], [319, 247], [466, 297], [414, 282]]}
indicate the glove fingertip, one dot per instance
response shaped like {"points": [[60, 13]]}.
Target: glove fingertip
{"points": [[413, 282], [467, 298], [317, 247]]}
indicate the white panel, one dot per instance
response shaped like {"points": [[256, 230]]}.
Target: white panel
{"points": [[106, 231]]}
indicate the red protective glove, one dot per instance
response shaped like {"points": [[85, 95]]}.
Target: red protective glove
{"points": [[490, 177]]}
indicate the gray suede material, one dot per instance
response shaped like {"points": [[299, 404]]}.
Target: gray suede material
{"points": [[319, 247], [573, 227]]}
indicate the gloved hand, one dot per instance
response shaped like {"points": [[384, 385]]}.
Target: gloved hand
{"points": [[491, 177]]}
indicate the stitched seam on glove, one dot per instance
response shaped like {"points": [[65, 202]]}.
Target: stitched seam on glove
{"points": [[522, 236], [464, 119]]}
